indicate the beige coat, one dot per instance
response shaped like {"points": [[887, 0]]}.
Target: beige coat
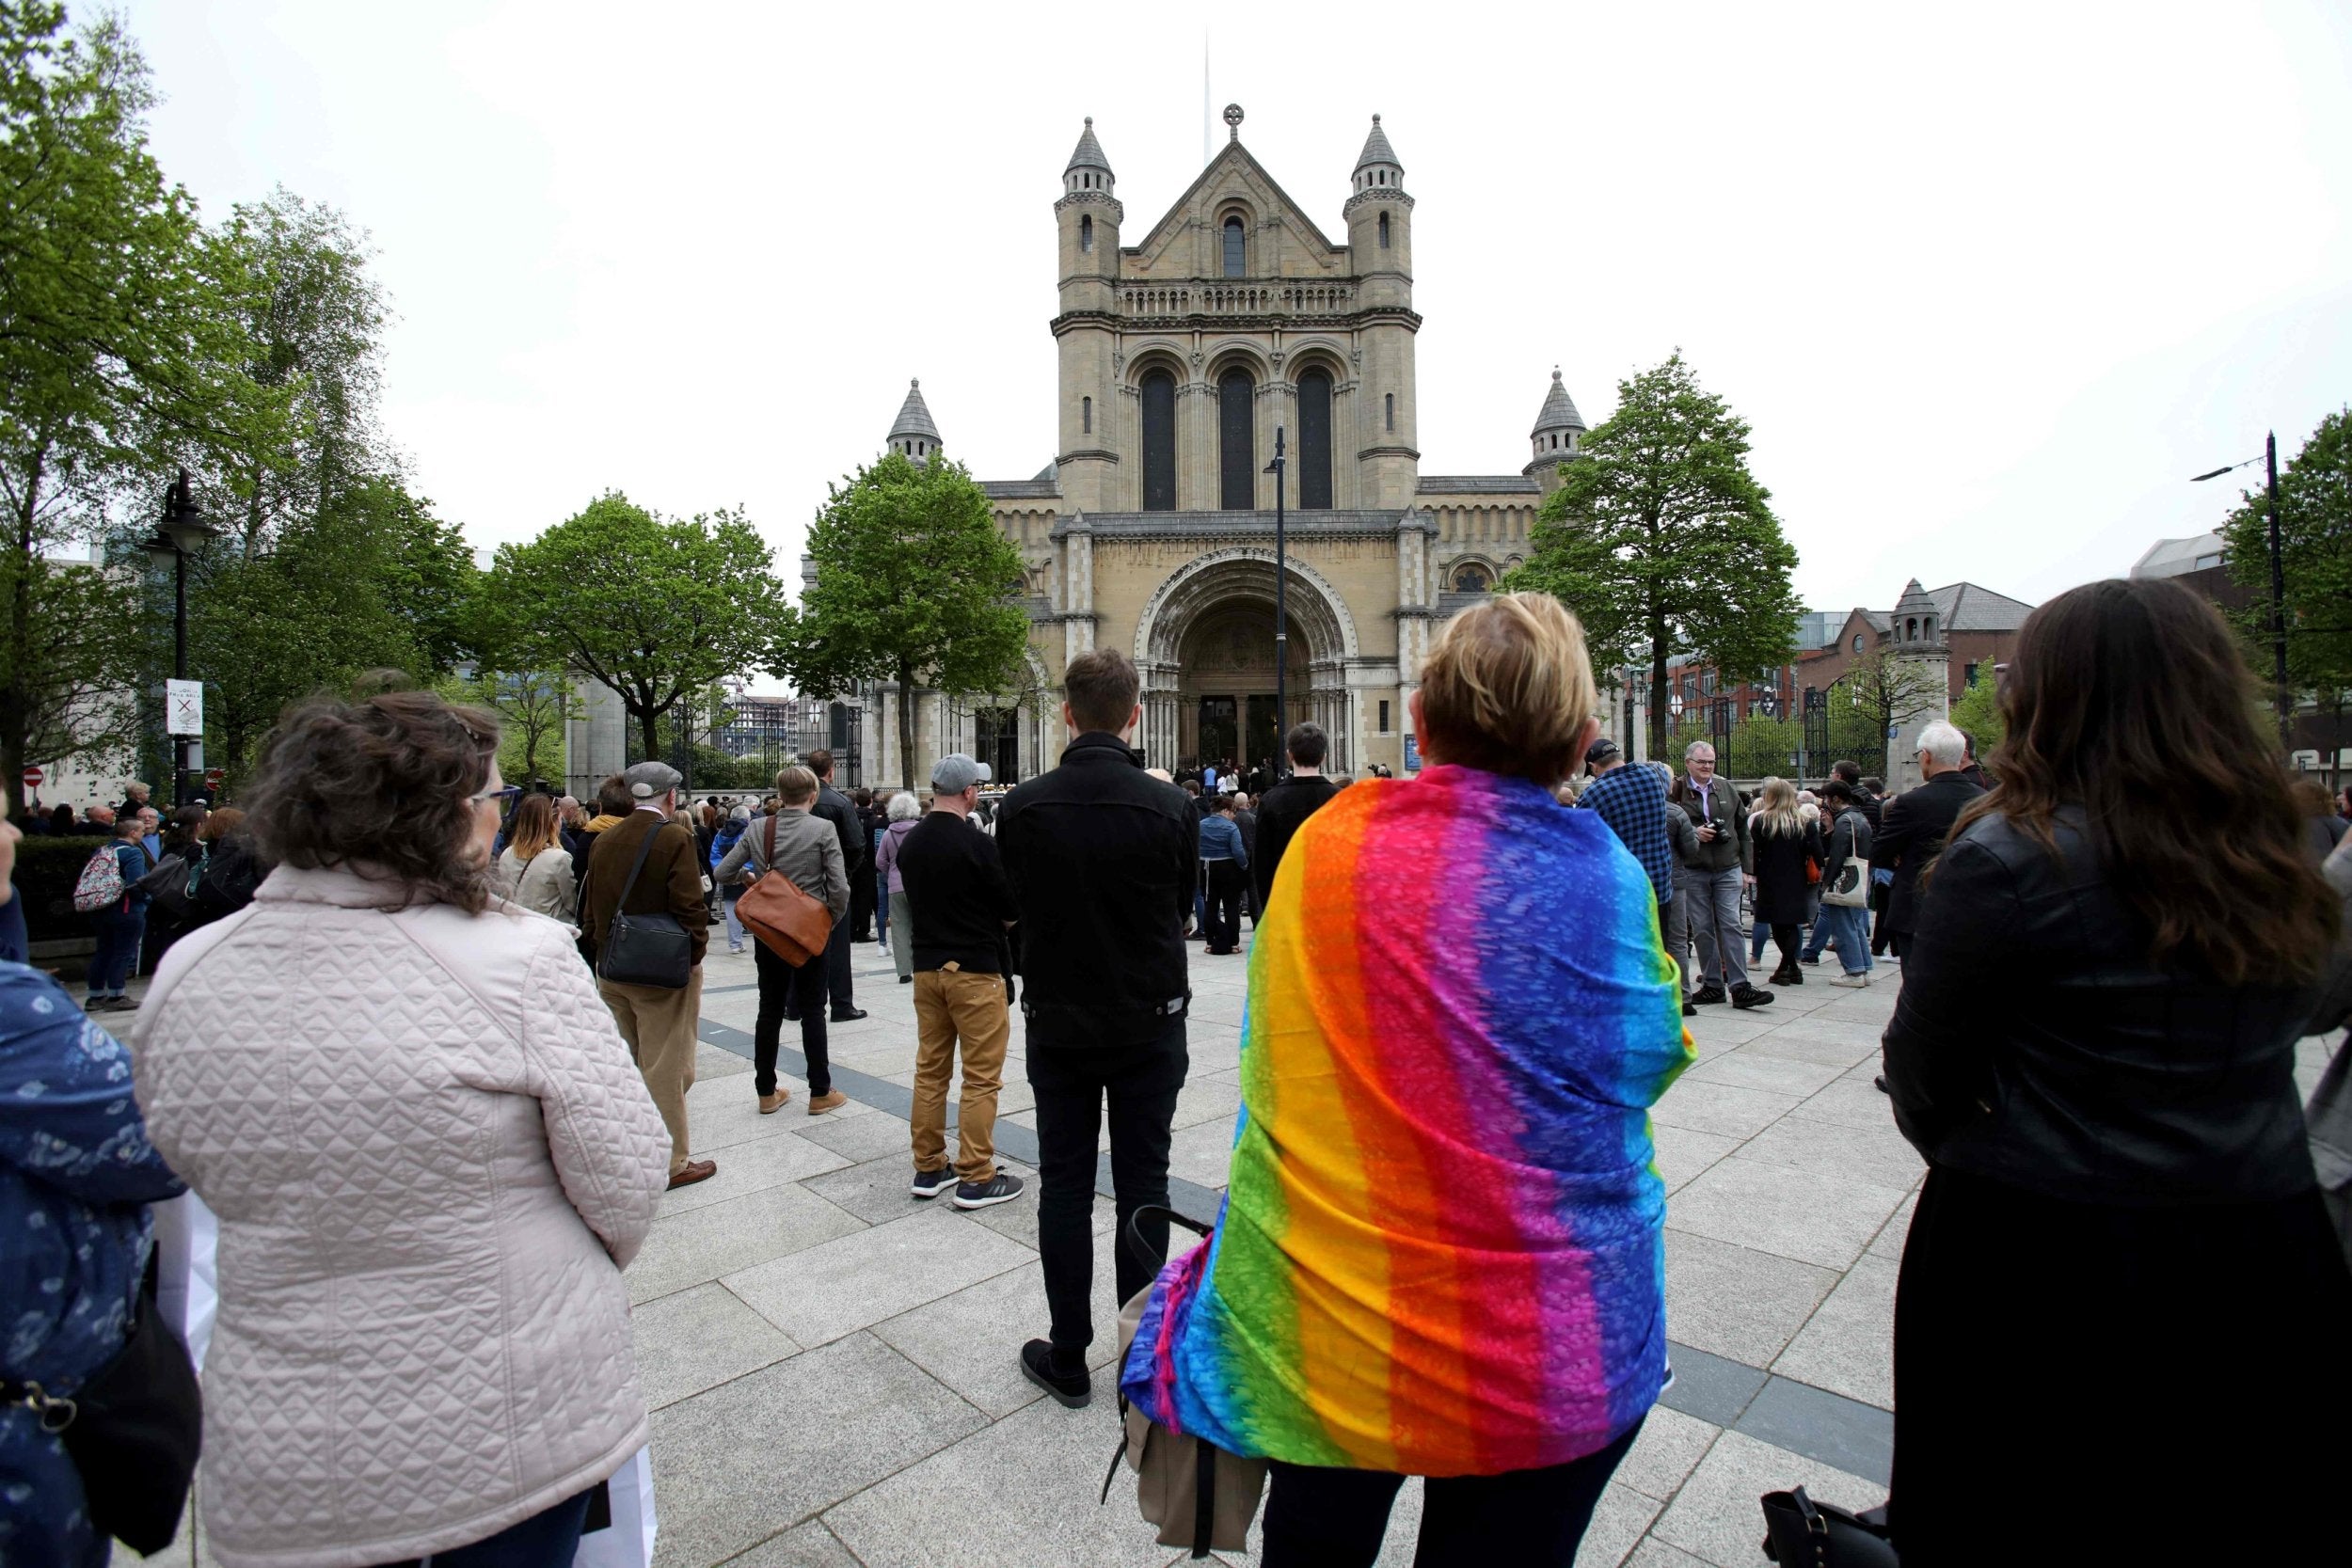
{"points": [[432, 1158], [543, 884]]}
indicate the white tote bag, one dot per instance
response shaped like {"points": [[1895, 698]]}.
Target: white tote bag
{"points": [[1852, 890], [628, 1541], [187, 1277]]}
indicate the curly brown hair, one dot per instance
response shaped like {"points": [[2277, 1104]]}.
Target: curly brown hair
{"points": [[378, 787]]}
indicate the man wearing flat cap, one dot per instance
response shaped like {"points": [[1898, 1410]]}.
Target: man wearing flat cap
{"points": [[658, 1023], [962, 906]]}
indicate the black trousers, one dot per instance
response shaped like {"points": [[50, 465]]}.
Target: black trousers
{"points": [[802, 990], [1226, 881], [837, 967], [1328, 1518], [1072, 1082], [862, 903]]}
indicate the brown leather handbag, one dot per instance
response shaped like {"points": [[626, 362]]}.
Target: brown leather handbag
{"points": [[788, 922]]}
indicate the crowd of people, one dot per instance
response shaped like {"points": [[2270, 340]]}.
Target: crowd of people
{"points": [[432, 1080]]}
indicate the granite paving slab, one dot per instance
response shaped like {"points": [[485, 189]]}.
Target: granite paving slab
{"points": [[697, 1338], [1716, 1517], [971, 1340], [1735, 1301], [1806, 1215], [700, 1245], [828, 1291], [1848, 1346]]}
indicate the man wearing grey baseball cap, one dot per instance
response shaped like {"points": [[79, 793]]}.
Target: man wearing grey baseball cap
{"points": [[650, 865], [962, 906]]}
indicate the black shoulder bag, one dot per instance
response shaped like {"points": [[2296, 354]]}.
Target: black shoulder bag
{"points": [[132, 1430], [646, 949]]}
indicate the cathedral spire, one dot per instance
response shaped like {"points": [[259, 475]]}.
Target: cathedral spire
{"points": [[1557, 426], [1089, 169], [1376, 167], [912, 435]]}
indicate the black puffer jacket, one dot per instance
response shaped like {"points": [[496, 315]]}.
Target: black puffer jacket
{"points": [[2034, 1042], [1101, 856]]}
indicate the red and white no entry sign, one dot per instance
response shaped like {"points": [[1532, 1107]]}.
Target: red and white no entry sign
{"points": [[32, 778]]}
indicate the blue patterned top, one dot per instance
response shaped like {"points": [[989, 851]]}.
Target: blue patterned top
{"points": [[1631, 801], [76, 1175]]}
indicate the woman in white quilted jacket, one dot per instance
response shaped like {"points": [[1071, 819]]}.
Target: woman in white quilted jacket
{"points": [[431, 1157]]}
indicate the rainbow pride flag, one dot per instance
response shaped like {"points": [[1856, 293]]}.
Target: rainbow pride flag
{"points": [[1440, 1252]]}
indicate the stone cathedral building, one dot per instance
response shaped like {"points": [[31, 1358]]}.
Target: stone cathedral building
{"points": [[1185, 347]]}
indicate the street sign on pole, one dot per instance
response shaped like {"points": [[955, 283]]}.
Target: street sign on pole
{"points": [[183, 708], [32, 778]]}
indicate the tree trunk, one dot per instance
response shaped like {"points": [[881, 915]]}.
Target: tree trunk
{"points": [[906, 725], [648, 722], [15, 702]]}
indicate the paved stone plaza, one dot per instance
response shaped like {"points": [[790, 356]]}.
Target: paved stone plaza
{"points": [[831, 1364]]}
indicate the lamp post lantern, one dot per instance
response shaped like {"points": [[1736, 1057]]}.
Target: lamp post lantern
{"points": [[179, 532]]}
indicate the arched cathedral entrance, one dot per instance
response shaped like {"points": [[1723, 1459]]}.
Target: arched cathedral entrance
{"points": [[1204, 647]]}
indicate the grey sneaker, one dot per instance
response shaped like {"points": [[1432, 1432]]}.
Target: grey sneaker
{"points": [[1001, 1188], [930, 1183]]}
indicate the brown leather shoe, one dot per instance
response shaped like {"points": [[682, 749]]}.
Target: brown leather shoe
{"points": [[770, 1103], [831, 1099], [694, 1171]]}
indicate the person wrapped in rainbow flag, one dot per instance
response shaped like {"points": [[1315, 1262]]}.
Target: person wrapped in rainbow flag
{"points": [[1440, 1252]]}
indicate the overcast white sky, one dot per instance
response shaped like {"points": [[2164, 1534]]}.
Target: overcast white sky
{"points": [[1990, 282]]}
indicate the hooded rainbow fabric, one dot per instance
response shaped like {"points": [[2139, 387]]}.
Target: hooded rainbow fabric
{"points": [[1440, 1252]]}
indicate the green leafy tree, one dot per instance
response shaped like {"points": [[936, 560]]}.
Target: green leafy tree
{"points": [[1979, 712], [914, 583], [376, 581], [1661, 539], [107, 332], [2315, 559], [658, 609], [534, 707]]}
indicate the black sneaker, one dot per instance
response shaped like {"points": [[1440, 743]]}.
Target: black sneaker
{"points": [[1003, 1187], [1706, 996], [1688, 1011], [1815, 962], [1070, 1392], [930, 1183], [1748, 996]]}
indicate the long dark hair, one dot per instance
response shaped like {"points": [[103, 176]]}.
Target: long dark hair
{"points": [[379, 788], [2131, 700]]}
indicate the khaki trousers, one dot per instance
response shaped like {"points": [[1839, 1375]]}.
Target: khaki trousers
{"points": [[660, 1026], [954, 1005]]}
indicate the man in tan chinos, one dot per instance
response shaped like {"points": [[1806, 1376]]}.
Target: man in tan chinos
{"points": [[962, 907], [659, 1024]]}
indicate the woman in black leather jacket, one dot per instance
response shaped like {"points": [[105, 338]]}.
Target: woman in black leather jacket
{"points": [[2120, 1302]]}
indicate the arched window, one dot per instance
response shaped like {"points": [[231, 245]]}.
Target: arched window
{"points": [[1086, 416], [1911, 629], [1237, 458], [1159, 441], [1383, 230], [1857, 641], [1471, 579], [1085, 231], [1315, 440], [1931, 629], [1237, 249], [1391, 417]]}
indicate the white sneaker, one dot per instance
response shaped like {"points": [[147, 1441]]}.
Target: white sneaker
{"points": [[1852, 982]]}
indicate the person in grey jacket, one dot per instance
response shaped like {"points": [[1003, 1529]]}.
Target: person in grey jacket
{"points": [[1674, 915], [1708, 886], [794, 844]]}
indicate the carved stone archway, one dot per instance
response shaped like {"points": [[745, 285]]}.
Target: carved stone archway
{"points": [[1215, 582]]}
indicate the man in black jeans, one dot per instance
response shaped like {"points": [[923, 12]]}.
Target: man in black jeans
{"points": [[835, 807], [1101, 858]]}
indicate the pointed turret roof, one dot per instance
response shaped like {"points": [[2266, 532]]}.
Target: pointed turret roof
{"points": [[915, 416], [1377, 150], [1088, 153], [1559, 410], [1915, 601]]}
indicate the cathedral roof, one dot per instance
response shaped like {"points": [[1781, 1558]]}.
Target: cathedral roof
{"points": [[1559, 410], [915, 416], [1089, 151], [1230, 158], [1376, 149]]}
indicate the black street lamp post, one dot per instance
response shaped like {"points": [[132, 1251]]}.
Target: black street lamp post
{"points": [[179, 533], [2282, 693], [1281, 614]]}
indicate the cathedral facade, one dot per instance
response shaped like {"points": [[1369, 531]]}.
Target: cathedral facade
{"points": [[1230, 323]]}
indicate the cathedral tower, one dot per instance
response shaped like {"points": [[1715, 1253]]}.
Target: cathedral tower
{"points": [[1558, 427], [1085, 454], [913, 435], [1380, 246]]}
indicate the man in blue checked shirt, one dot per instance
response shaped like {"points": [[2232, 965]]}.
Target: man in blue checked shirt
{"points": [[1632, 800]]}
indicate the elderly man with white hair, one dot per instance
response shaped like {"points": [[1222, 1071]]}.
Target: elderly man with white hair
{"points": [[1915, 824], [1709, 881]]}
